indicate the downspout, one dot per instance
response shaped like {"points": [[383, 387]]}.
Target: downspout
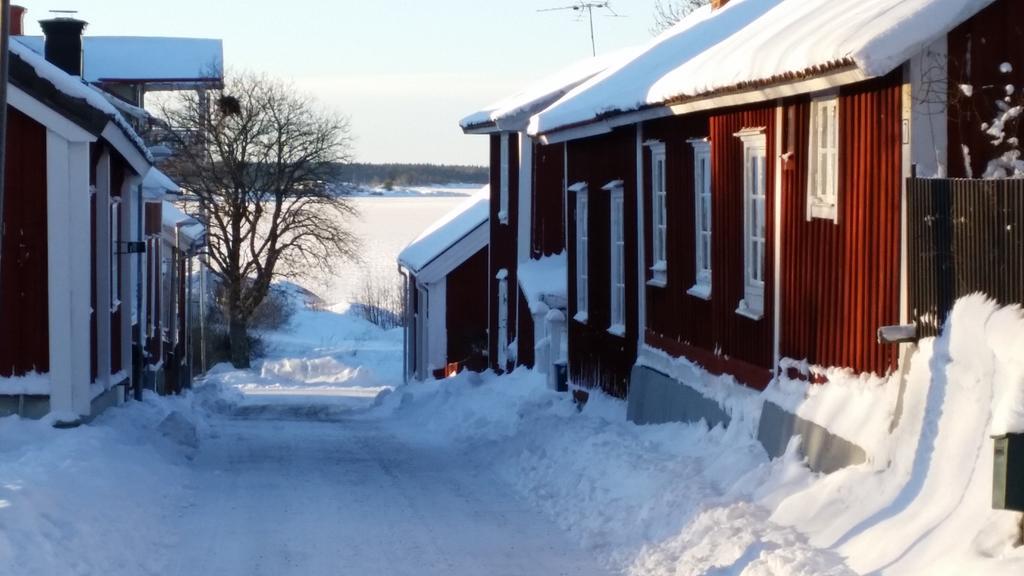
{"points": [[5, 36], [141, 270], [777, 234], [408, 325], [641, 246]]}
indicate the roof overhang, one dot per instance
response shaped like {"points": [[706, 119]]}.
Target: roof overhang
{"points": [[453, 257], [722, 99]]}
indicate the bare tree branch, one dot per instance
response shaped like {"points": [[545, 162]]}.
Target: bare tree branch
{"points": [[668, 12], [258, 156]]}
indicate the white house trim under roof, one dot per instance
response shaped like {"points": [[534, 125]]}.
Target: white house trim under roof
{"points": [[53, 121]]}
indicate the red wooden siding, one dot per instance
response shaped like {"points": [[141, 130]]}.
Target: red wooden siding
{"points": [[597, 357], [548, 222], [503, 241], [525, 332], [840, 282], [466, 312], [977, 48], [740, 341], [672, 314], [24, 302]]}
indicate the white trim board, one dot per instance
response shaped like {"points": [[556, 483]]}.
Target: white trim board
{"points": [[51, 119], [455, 255]]}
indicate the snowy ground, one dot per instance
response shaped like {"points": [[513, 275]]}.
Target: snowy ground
{"points": [[319, 462]]}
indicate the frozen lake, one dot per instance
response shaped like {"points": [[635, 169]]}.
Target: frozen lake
{"points": [[387, 225]]}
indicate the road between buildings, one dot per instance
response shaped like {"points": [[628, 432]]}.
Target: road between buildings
{"points": [[280, 492]]}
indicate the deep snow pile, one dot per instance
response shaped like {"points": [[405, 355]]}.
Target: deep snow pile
{"points": [[682, 499], [98, 499]]}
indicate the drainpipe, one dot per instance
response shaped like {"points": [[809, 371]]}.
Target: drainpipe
{"points": [[138, 367], [5, 35], [777, 296], [405, 329]]}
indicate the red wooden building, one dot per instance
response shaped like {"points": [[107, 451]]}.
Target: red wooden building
{"points": [[446, 283], [753, 160], [73, 170], [527, 233]]}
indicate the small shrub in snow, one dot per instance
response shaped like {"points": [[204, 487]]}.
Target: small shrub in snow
{"points": [[382, 302]]}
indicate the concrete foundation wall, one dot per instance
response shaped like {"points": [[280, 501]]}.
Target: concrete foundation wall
{"points": [[655, 398]]}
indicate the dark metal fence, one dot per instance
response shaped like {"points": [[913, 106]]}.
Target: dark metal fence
{"points": [[965, 236]]}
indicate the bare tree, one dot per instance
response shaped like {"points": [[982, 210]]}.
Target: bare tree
{"points": [[259, 156], [668, 12]]}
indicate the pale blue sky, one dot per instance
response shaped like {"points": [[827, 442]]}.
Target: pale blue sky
{"points": [[404, 71]]}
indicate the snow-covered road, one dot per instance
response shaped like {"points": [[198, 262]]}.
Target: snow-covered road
{"points": [[287, 494]]}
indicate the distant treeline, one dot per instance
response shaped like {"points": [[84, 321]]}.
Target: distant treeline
{"points": [[388, 175]]}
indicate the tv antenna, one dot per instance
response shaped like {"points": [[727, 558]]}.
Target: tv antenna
{"points": [[588, 7]]}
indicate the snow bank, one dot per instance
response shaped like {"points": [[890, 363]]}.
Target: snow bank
{"points": [[682, 499], [32, 383], [97, 499]]}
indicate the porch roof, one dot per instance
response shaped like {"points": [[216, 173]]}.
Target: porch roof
{"points": [[447, 232]]}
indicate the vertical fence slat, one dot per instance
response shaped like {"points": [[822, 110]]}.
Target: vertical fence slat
{"points": [[965, 236]]}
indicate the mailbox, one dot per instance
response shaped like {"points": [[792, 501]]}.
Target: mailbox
{"points": [[1008, 478]]}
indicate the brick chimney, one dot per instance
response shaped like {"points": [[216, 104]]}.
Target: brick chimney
{"points": [[716, 4], [18, 20], [63, 47]]}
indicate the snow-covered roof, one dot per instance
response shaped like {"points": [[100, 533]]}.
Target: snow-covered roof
{"points": [[447, 232], [176, 219], [547, 277], [152, 60], [752, 43], [539, 95], [76, 88], [156, 184]]}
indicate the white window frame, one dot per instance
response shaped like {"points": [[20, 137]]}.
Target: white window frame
{"points": [[503, 166], [659, 213], [617, 251], [755, 213], [582, 251], [702, 205], [823, 158]]}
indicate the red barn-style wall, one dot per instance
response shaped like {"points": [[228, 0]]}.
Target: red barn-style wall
{"points": [[597, 357], [724, 341], [548, 219], [840, 282], [466, 312], [503, 243], [24, 301]]}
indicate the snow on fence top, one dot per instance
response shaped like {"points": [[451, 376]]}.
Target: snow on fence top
{"points": [[751, 43], [147, 59], [173, 217], [544, 277], [76, 88], [447, 231], [542, 93]]}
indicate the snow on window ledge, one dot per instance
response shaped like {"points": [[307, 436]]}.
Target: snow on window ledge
{"points": [[700, 290], [617, 330], [746, 311], [581, 317], [659, 275], [823, 211]]}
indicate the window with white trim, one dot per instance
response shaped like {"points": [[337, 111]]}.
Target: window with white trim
{"points": [[755, 226], [702, 217], [617, 278], [659, 214], [823, 169], [582, 251], [504, 177]]}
